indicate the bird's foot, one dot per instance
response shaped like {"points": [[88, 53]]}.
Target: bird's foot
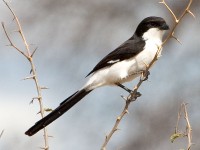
{"points": [[137, 94]]}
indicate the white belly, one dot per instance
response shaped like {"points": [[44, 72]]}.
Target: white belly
{"points": [[124, 71]]}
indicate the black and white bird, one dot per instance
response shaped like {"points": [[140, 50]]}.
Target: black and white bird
{"points": [[122, 65]]}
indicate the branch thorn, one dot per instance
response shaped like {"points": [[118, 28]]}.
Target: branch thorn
{"points": [[125, 98], [44, 88], [127, 111], [31, 102], [31, 77], [34, 51], [31, 70], [176, 38], [191, 13]]}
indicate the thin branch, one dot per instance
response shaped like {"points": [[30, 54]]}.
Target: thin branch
{"points": [[170, 10], [177, 133], [20, 28], [33, 70], [186, 10], [33, 52], [133, 96], [173, 36], [188, 128], [10, 41], [115, 127]]}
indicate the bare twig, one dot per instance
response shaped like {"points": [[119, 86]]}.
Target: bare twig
{"points": [[188, 130], [29, 56], [170, 10], [11, 43], [177, 21], [177, 133], [133, 96], [115, 127]]}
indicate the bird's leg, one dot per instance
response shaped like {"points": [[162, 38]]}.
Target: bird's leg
{"points": [[136, 95], [124, 87]]}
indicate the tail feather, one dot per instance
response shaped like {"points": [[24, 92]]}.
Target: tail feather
{"points": [[60, 110]]}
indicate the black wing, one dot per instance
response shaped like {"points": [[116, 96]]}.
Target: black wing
{"points": [[127, 50]]}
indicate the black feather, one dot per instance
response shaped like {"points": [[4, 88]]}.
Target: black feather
{"points": [[60, 110], [129, 49]]}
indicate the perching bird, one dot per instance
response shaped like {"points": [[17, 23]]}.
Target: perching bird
{"points": [[122, 65]]}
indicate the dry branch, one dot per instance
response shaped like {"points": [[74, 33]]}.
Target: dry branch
{"points": [[133, 96], [29, 56], [188, 129]]}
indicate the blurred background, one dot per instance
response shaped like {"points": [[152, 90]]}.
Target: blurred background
{"points": [[72, 36]]}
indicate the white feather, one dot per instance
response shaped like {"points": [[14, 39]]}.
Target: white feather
{"points": [[113, 61], [127, 70]]}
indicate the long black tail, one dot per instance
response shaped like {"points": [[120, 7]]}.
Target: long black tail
{"points": [[60, 110]]}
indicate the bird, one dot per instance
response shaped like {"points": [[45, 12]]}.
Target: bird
{"points": [[123, 64]]}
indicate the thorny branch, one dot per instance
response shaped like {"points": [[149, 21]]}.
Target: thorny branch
{"points": [[133, 96], [188, 129], [29, 56]]}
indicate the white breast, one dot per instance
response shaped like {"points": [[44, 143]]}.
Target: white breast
{"points": [[127, 70]]}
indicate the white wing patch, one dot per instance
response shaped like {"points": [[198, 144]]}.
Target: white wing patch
{"points": [[113, 61]]}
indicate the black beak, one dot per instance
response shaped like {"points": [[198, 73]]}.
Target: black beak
{"points": [[164, 27]]}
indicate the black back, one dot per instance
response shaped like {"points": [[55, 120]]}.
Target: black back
{"points": [[134, 45], [127, 50]]}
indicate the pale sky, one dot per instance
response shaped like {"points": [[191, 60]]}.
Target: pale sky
{"points": [[72, 36]]}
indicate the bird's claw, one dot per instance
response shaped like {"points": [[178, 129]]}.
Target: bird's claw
{"points": [[137, 94]]}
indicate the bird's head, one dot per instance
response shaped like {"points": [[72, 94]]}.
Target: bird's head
{"points": [[151, 27]]}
